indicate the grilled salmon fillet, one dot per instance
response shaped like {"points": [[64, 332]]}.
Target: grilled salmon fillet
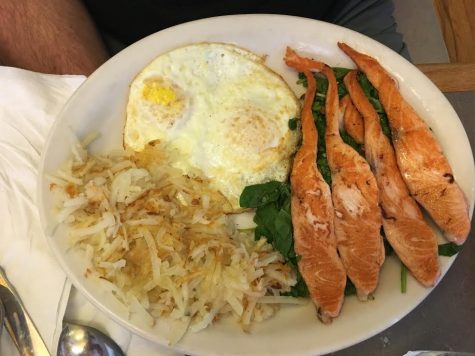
{"points": [[420, 159], [352, 121], [312, 211], [406, 230], [355, 200]]}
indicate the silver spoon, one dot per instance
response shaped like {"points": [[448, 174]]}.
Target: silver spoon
{"points": [[75, 340], [80, 340]]}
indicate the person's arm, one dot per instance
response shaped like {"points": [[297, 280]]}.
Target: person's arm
{"points": [[49, 36]]}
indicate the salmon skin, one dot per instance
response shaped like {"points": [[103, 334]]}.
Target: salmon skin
{"points": [[411, 237], [420, 159], [312, 211]]}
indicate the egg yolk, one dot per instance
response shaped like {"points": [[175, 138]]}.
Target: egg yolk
{"points": [[159, 94]]}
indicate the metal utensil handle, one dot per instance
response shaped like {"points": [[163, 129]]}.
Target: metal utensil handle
{"points": [[2, 316], [18, 323]]}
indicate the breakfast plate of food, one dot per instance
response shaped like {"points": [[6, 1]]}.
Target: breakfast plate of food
{"points": [[256, 184]]}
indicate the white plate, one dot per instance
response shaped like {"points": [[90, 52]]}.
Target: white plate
{"points": [[98, 105]]}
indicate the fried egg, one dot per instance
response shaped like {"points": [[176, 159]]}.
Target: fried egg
{"points": [[220, 110]]}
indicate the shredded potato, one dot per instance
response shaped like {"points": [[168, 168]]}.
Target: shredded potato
{"points": [[163, 240]]}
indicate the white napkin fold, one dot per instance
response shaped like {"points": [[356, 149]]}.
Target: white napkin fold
{"points": [[29, 103]]}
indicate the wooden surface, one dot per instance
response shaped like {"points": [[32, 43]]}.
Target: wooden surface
{"points": [[457, 21], [451, 77]]}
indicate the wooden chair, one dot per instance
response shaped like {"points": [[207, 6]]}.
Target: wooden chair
{"points": [[457, 21]]}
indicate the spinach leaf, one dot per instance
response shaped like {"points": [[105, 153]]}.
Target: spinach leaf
{"points": [[266, 216], [351, 141], [302, 80], [403, 278], [324, 168], [318, 109], [376, 105], [372, 95], [274, 222], [322, 162], [342, 90], [260, 232], [340, 73], [388, 249], [383, 119], [299, 290], [367, 87], [449, 249], [350, 288], [319, 106], [293, 123], [283, 240], [284, 199], [322, 85], [257, 195]]}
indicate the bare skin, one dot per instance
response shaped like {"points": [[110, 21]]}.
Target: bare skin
{"points": [[49, 36]]}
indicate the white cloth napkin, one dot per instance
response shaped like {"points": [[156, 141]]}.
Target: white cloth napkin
{"points": [[29, 103]]}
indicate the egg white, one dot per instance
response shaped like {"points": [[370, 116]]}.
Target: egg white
{"points": [[221, 110]]}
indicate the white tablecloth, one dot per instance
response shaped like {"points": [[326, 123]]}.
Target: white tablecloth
{"points": [[29, 103]]}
